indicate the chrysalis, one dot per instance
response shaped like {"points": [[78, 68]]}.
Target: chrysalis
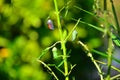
{"points": [[74, 35], [55, 53], [50, 24]]}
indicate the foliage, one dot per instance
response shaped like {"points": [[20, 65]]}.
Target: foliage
{"points": [[58, 39]]}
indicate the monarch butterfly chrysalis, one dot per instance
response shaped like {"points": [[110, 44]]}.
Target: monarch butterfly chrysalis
{"points": [[50, 24]]}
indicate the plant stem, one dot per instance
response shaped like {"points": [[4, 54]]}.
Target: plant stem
{"points": [[92, 59], [110, 46], [116, 69], [115, 16], [115, 77], [58, 19], [65, 62], [72, 30], [62, 42], [110, 49], [48, 69]]}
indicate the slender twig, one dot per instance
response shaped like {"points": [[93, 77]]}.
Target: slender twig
{"points": [[92, 59], [101, 62], [46, 50], [90, 13], [93, 26], [54, 44], [72, 30], [48, 69], [72, 68], [56, 68], [65, 5], [105, 55], [115, 77]]}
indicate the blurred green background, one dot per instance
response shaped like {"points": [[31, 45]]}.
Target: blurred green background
{"points": [[24, 34]]}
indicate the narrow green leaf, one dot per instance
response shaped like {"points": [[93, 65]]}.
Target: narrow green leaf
{"points": [[105, 55], [116, 40], [90, 13], [84, 10], [93, 26], [72, 30], [100, 53], [43, 53], [53, 65], [61, 63]]}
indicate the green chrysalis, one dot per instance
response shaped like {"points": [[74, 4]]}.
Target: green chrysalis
{"points": [[55, 53], [74, 35]]}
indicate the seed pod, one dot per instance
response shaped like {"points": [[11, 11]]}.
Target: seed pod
{"points": [[50, 24]]}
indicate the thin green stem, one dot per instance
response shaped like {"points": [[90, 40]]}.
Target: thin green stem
{"points": [[65, 61], [62, 42], [115, 16], [47, 49], [58, 19], [92, 59], [93, 26], [72, 30], [103, 54], [110, 50], [48, 69], [106, 64], [110, 46], [115, 77], [90, 13]]}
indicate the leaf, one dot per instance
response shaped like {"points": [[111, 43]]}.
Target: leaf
{"points": [[105, 55], [116, 40], [89, 13], [93, 26], [61, 63], [72, 29], [43, 52]]}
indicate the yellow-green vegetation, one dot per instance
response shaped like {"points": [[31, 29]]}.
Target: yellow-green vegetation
{"points": [[59, 39]]}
